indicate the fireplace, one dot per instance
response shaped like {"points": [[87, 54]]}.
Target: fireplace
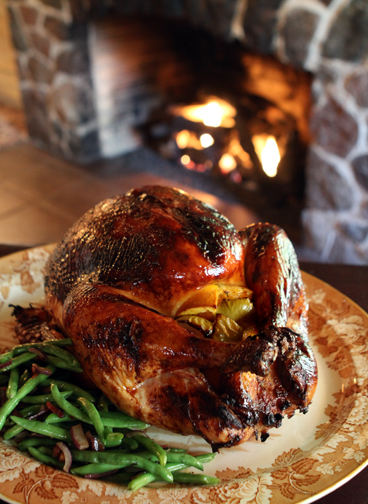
{"points": [[98, 79]]}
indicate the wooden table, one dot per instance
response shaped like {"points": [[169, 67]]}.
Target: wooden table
{"points": [[353, 282]]}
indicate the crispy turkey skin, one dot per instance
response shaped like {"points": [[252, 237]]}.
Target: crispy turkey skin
{"points": [[122, 273]]}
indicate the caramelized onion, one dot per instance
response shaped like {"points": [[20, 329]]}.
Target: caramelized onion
{"points": [[79, 438], [67, 455], [55, 409], [36, 370]]}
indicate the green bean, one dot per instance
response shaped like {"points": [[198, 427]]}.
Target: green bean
{"points": [[45, 459], [187, 459], [46, 449], [52, 418], [195, 479], [12, 403], [17, 361], [40, 344], [67, 406], [23, 377], [5, 357], [103, 406], [122, 421], [43, 398], [113, 439], [115, 457], [204, 458], [30, 410], [77, 391], [93, 457], [145, 478], [93, 415], [61, 353], [130, 443], [97, 468], [12, 432], [12, 383], [62, 364], [152, 447], [48, 430], [35, 441]]}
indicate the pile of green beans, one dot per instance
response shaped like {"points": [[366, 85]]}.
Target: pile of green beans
{"points": [[40, 404]]}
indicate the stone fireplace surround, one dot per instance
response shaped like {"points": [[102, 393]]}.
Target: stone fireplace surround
{"points": [[327, 38]]}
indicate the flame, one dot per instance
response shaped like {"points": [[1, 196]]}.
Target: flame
{"points": [[227, 163], [185, 159], [206, 140], [215, 112], [182, 139], [236, 149], [188, 139], [268, 152]]}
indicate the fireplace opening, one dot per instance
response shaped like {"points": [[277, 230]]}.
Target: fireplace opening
{"points": [[206, 105]]}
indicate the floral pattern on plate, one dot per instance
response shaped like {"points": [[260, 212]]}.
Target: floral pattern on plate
{"points": [[303, 460]]}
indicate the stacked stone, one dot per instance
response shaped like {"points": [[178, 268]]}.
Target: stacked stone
{"points": [[56, 84], [330, 39]]}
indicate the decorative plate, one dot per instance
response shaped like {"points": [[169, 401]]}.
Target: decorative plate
{"points": [[306, 458]]}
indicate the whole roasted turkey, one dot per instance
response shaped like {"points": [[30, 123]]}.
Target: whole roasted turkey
{"points": [[132, 282]]}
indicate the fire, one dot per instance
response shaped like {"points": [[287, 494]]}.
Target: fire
{"points": [[206, 140], [268, 152], [214, 113], [227, 163], [229, 153], [188, 139]]}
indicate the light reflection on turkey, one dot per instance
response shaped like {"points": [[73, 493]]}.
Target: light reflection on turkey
{"points": [[183, 321]]}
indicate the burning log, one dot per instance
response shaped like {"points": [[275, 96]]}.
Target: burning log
{"points": [[246, 147]]}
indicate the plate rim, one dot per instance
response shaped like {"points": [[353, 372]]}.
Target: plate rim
{"points": [[15, 256]]}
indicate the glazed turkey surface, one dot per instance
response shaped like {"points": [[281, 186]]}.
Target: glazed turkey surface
{"points": [[122, 273]]}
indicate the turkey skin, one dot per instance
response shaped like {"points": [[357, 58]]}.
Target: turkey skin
{"points": [[141, 284]]}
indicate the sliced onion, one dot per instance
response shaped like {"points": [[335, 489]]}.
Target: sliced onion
{"points": [[38, 352], [39, 414], [79, 438], [56, 452], [101, 475], [94, 443], [67, 455], [36, 370]]}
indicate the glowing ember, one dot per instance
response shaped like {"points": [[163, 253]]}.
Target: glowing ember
{"points": [[227, 163], [188, 139], [206, 140], [215, 112], [238, 152], [182, 139], [185, 159], [268, 152]]}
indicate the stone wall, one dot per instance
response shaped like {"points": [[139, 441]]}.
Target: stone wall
{"points": [[328, 38], [56, 84]]}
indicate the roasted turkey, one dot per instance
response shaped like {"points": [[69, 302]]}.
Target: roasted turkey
{"points": [[147, 284]]}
